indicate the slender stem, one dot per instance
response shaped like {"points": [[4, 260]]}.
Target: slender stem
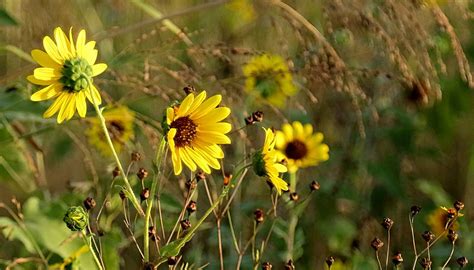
{"points": [[378, 259], [219, 238], [234, 239], [146, 237], [410, 218], [292, 223], [388, 248], [449, 258], [129, 190], [89, 244], [428, 251]]}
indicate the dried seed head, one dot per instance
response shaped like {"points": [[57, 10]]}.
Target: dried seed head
{"points": [[259, 216], [188, 89], [397, 258], [257, 116], [200, 175], [415, 210], [314, 186], [249, 120], [290, 265], [428, 236], [89, 203], [116, 172], [458, 205], [122, 195], [152, 234], [451, 214], [135, 156], [387, 223], [462, 261], [148, 266], [452, 236], [172, 260], [191, 184], [294, 196], [185, 224], [145, 194], [329, 261], [266, 266], [192, 207], [376, 244], [425, 263], [142, 173]]}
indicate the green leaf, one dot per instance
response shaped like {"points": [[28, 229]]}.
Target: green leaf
{"points": [[6, 19]]}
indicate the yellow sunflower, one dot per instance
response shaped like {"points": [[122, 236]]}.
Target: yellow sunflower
{"points": [[119, 122], [66, 71], [300, 147], [268, 78], [442, 219], [195, 131], [265, 163]]}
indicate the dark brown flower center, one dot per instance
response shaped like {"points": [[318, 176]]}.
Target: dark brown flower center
{"points": [[116, 129], [185, 131], [296, 149]]}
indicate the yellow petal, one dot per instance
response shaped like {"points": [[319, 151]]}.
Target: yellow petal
{"points": [[71, 43], [298, 130], [93, 95], [44, 59], [81, 43], [197, 102], [217, 127], [169, 115], [170, 137], [47, 74], [62, 43], [308, 130], [63, 113], [48, 92], [211, 161], [187, 159], [98, 69], [213, 137], [206, 106], [81, 104], [288, 131], [52, 50], [71, 107], [280, 167], [198, 159], [32, 79], [175, 158], [215, 115], [185, 105], [280, 140], [55, 106]]}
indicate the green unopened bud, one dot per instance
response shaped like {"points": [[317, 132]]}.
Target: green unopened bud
{"points": [[258, 164], [76, 218]]}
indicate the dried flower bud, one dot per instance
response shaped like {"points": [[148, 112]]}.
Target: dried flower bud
{"points": [[76, 218], [116, 172], [329, 261], [122, 195], [428, 236], [314, 186], [415, 210], [188, 89], [458, 205], [227, 178], [145, 194], [425, 263], [148, 266], [266, 266], [152, 234], [191, 184], [397, 258], [249, 120], [259, 216], [462, 261], [376, 244], [200, 175], [135, 156], [89, 203], [185, 224], [290, 265], [294, 196], [172, 260], [142, 173], [452, 236], [192, 207], [387, 223], [257, 116]]}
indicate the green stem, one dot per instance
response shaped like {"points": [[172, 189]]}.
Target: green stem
{"points": [[89, 244], [128, 187], [146, 237], [293, 221]]}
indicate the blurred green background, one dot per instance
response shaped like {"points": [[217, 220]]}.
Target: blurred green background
{"points": [[398, 118]]}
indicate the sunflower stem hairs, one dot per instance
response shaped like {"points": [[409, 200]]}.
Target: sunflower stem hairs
{"points": [[265, 164], [300, 147], [194, 131], [66, 72]]}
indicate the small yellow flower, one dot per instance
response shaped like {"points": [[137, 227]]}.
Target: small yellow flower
{"points": [[268, 78], [265, 163], [300, 147], [442, 219], [119, 122], [243, 10], [195, 131], [66, 71]]}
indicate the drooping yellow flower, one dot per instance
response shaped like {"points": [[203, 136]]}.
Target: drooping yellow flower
{"points": [[66, 71], [265, 163], [195, 131], [269, 79], [119, 122], [300, 147], [442, 219]]}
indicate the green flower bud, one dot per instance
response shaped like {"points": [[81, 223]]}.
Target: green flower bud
{"points": [[76, 218]]}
